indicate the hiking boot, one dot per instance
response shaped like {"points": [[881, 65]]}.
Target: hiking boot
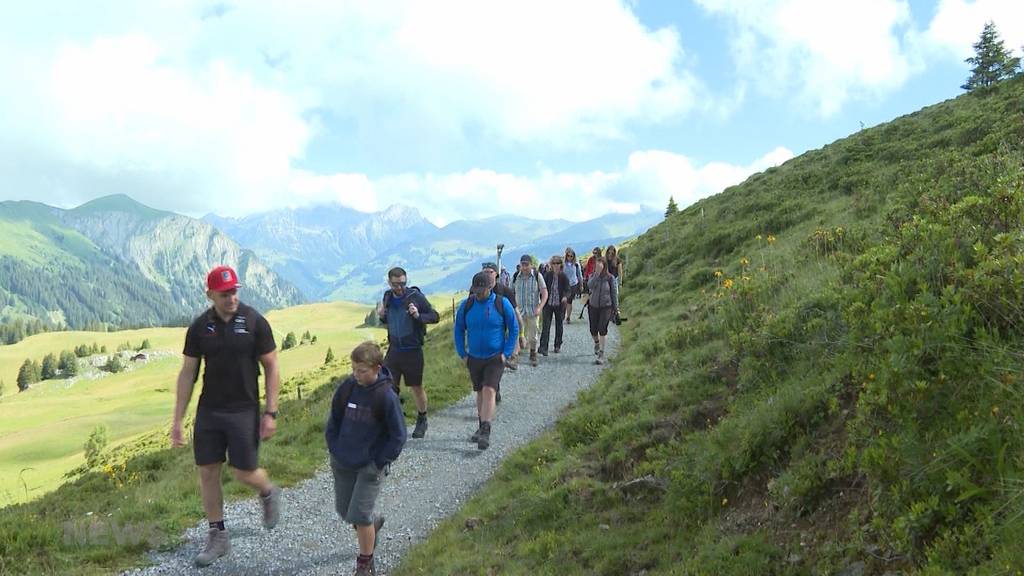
{"points": [[421, 427], [544, 352], [484, 440], [378, 523], [497, 397], [533, 357], [510, 363], [597, 348], [600, 357], [271, 507], [365, 570], [557, 349], [476, 435], [217, 544]]}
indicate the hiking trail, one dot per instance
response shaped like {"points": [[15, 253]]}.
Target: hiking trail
{"points": [[430, 481]]}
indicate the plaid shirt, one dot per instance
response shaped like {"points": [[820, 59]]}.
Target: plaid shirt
{"points": [[528, 288]]}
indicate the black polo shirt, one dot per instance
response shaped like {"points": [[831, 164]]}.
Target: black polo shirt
{"points": [[231, 351]]}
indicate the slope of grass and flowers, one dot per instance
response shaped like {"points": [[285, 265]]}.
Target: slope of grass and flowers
{"points": [[142, 494], [821, 373]]}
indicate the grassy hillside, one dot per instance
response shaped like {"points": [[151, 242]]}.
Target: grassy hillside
{"points": [[821, 373], [149, 489], [43, 430]]}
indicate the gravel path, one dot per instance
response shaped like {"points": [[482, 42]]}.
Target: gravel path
{"points": [[432, 478]]}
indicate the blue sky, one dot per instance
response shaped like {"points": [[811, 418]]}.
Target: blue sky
{"points": [[461, 108]]}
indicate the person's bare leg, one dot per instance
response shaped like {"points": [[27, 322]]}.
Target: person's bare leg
{"points": [[256, 479], [211, 492], [485, 403], [420, 396], [365, 534]]}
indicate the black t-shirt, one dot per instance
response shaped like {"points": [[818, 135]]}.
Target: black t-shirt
{"points": [[231, 351]]}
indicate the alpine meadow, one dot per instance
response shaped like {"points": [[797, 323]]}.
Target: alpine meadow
{"points": [[821, 374]]}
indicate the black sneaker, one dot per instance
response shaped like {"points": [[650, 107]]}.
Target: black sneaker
{"points": [[476, 435], [544, 352], [421, 427], [484, 440], [497, 397]]}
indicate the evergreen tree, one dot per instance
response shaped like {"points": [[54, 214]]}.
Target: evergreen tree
{"points": [[145, 345], [672, 208], [94, 445], [289, 341], [37, 371], [102, 350], [306, 337], [330, 356], [68, 364], [49, 368], [26, 376], [115, 365], [2, 387], [991, 62], [313, 339]]}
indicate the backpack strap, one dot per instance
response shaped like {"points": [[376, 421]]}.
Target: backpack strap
{"points": [[498, 306]]}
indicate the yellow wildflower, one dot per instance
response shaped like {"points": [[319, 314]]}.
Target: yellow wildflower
{"points": [[758, 237], [718, 273], [744, 261], [727, 283], [771, 239]]}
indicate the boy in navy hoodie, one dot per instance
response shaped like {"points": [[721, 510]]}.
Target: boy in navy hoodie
{"points": [[365, 434]]}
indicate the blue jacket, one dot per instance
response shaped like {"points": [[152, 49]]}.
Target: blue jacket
{"points": [[486, 329], [359, 438], [404, 331]]}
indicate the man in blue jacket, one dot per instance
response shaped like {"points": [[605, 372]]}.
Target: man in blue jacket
{"points": [[486, 331], [406, 312], [365, 434]]}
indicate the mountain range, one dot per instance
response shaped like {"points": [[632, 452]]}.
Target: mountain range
{"points": [[337, 253], [114, 262]]}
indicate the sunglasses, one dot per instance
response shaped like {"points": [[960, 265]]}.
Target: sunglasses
{"points": [[398, 284]]}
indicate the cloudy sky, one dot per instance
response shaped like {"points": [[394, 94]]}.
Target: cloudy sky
{"points": [[459, 108]]}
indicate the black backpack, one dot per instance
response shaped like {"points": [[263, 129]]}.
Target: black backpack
{"points": [[499, 306]]}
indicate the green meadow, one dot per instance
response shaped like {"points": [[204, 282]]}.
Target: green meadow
{"points": [[43, 430]]}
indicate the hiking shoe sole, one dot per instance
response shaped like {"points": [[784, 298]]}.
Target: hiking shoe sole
{"points": [[271, 508], [421, 429]]}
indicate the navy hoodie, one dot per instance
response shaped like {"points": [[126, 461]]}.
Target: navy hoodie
{"points": [[358, 439]]}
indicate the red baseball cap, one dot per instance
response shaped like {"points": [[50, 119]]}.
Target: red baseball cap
{"points": [[222, 279]]}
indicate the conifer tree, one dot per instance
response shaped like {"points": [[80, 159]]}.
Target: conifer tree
{"points": [[49, 368], [289, 341], [68, 364], [330, 356], [991, 62], [672, 208]]}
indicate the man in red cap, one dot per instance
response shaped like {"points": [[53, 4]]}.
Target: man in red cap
{"points": [[234, 340]]}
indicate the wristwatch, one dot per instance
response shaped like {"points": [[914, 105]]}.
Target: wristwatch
{"points": [[271, 414]]}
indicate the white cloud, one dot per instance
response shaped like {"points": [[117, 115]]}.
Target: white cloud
{"points": [[647, 181], [823, 53], [957, 25], [192, 107]]}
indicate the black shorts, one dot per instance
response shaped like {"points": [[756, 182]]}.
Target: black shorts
{"points": [[408, 363], [599, 319], [572, 293], [235, 432], [486, 372]]}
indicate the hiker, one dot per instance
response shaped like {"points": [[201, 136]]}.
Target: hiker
{"points": [[588, 270], [531, 294], [614, 264], [485, 334], [406, 312], [503, 290], [365, 434], [503, 278], [554, 308], [233, 340], [604, 302], [574, 272]]}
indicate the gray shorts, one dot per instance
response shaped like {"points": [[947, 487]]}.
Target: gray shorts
{"points": [[355, 492]]}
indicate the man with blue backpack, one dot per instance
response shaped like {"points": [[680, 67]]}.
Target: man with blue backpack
{"points": [[406, 312], [486, 331]]}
